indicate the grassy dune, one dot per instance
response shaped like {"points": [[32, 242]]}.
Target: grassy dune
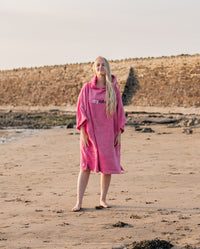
{"points": [[163, 81]]}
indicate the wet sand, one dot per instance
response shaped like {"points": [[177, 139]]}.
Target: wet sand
{"points": [[157, 195], [9, 135]]}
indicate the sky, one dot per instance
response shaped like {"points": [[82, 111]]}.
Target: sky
{"points": [[52, 32]]}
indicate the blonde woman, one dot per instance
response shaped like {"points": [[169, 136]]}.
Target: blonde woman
{"points": [[101, 120]]}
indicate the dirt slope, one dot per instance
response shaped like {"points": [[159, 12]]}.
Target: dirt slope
{"points": [[162, 81]]}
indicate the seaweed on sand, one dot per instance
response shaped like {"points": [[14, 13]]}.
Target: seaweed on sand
{"points": [[150, 244]]}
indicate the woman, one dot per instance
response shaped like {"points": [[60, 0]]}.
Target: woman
{"points": [[101, 120]]}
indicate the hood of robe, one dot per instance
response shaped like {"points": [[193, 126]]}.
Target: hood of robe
{"points": [[94, 81]]}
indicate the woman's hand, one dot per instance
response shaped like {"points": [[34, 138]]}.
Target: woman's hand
{"points": [[84, 137], [118, 139]]}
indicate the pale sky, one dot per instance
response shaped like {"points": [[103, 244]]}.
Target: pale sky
{"points": [[54, 32]]}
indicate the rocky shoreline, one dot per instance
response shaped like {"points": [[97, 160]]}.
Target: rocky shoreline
{"points": [[36, 119], [55, 117]]}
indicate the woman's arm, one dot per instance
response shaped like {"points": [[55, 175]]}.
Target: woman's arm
{"points": [[118, 139], [84, 137], [121, 119]]}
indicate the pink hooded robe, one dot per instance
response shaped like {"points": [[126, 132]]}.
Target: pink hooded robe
{"points": [[100, 155]]}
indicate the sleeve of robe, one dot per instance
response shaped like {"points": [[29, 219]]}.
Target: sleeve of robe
{"points": [[121, 119], [81, 117]]}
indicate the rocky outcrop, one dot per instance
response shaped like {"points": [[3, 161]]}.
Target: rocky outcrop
{"points": [[131, 87]]}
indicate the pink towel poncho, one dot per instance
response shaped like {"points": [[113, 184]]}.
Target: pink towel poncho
{"points": [[100, 155]]}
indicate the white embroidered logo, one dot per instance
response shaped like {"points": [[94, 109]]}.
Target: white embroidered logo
{"points": [[95, 101]]}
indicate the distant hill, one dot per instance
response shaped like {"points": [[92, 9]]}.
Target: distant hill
{"points": [[161, 81]]}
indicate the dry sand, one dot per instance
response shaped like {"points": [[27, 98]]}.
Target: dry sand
{"points": [[72, 109], [157, 195]]}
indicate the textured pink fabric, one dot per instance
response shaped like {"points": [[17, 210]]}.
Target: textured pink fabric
{"points": [[100, 155]]}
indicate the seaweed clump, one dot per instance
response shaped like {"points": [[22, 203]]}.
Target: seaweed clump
{"points": [[151, 244], [120, 224]]}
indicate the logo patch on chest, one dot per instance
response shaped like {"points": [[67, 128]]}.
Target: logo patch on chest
{"points": [[101, 101]]}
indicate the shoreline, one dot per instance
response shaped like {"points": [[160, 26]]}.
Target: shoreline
{"points": [[10, 135], [51, 116], [18, 122], [71, 109]]}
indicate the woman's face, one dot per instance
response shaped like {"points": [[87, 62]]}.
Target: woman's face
{"points": [[100, 67]]}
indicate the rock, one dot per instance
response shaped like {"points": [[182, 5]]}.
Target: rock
{"points": [[54, 110], [144, 130], [36, 120], [193, 122], [167, 121], [120, 224], [135, 216], [189, 247], [138, 128], [131, 87], [132, 123], [182, 123], [151, 244], [147, 130], [70, 125], [187, 131]]}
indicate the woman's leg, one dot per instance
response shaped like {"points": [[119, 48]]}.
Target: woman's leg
{"points": [[105, 183], [81, 186]]}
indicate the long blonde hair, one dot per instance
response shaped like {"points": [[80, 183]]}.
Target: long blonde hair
{"points": [[110, 91]]}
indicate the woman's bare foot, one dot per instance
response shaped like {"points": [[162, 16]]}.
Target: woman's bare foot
{"points": [[76, 208], [104, 204]]}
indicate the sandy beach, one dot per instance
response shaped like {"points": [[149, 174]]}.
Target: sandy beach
{"points": [[157, 195]]}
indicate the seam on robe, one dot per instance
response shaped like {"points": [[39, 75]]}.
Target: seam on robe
{"points": [[97, 153]]}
